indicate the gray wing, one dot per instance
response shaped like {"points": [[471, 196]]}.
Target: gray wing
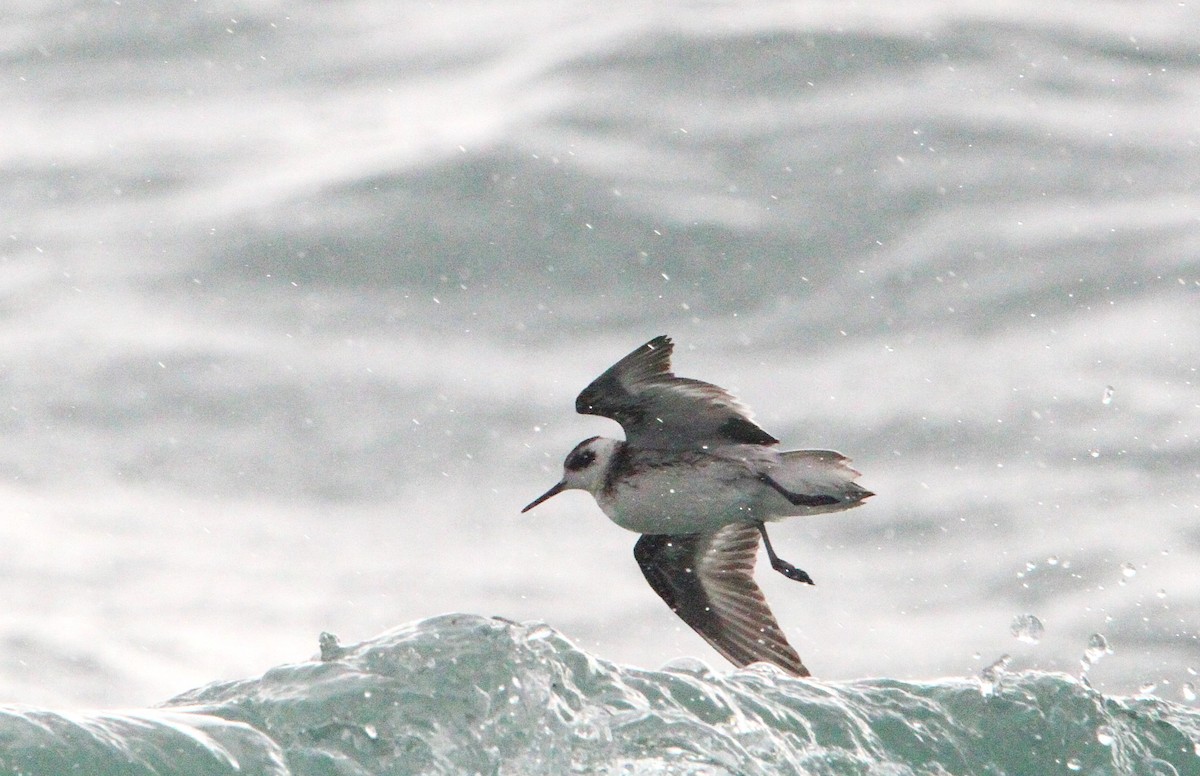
{"points": [[707, 579], [658, 409]]}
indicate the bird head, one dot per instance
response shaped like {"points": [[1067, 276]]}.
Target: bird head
{"points": [[583, 468]]}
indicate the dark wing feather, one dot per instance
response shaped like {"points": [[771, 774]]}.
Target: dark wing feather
{"points": [[707, 579], [658, 409], [613, 394]]}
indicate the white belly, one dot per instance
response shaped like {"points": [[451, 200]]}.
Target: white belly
{"points": [[683, 499], [699, 492]]}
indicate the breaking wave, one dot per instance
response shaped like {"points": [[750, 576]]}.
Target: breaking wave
{"points": [[462, 694]]}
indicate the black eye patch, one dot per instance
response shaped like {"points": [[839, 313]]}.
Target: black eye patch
{"points": [[580, 460]]}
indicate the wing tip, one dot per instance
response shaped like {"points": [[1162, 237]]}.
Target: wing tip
{"points": [[608, 394], [652, 358], [661, 341]]}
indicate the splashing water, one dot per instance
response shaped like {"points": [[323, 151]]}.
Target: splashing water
{"points": [[1097, 648], [466, 694], [991, 676], [1027, 628]]}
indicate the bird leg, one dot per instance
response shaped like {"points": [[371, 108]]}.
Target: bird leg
{"points": [[781, 565], [798, 499]]}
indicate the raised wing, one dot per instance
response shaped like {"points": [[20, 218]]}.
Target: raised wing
{"points": [[707, 579], [658, 409]]}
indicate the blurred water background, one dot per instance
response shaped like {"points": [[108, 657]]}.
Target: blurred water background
{"points": [[296, 299]]}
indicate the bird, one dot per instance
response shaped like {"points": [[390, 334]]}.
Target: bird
{"points": [[699, 480]]}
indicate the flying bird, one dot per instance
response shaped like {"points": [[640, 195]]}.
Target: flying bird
{"points": [[699, 480]]}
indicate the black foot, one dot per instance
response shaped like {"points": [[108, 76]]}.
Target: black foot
{"points": [[791, 572], [781, 565]]}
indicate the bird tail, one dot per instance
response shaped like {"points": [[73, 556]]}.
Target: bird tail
{"points": [[824, 476]]}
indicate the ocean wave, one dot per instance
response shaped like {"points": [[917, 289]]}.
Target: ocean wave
{"points": [[467, 694]]}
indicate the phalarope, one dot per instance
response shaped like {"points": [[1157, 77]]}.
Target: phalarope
{"points": [[700, 480]]}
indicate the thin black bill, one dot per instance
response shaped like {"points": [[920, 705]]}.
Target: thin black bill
{"points": [[548, 494]]}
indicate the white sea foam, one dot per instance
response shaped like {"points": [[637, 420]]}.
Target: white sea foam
{"points": [[466, 694]]}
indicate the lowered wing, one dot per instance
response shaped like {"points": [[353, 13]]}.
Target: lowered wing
{"points": [[707, 579]]}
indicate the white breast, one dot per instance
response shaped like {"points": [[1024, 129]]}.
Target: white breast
{"points": [[683, 498]]}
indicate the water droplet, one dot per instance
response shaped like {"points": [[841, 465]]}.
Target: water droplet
{"points": [[1030, 566], [1052, 560], [1027, 628], [371, 732], [1104, 734], [1108, 395], [989, 678], [1128, 570], [1147, 688], [1073, 764], [1097, 648], [1161, 593], [1188, 691]]}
